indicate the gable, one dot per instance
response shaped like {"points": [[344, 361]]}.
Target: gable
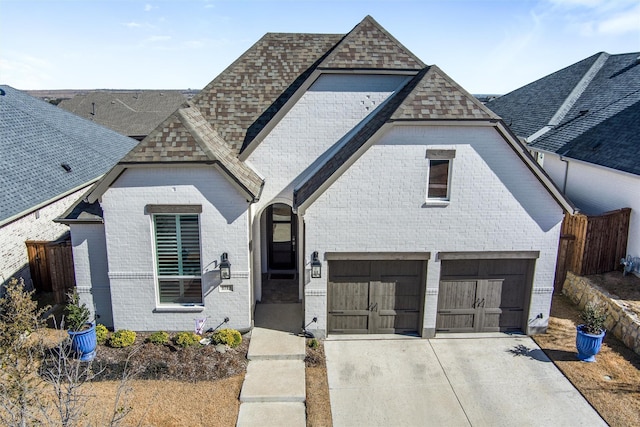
{"points": [[369, 46]]}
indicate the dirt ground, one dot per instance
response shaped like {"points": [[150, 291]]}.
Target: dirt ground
{"points": [[611, 384], [626, 288], [318, 404]]}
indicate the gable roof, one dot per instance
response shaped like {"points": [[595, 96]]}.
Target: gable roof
{"points": [[36, 140], [131, 113], [594, 118], [430, 95]]}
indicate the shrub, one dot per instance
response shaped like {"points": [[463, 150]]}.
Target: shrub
{"points": [[19, 313], [593, 316], [186, 339], [102, 334], [230, 337], [160, 338], [122, 338], [313, 343], [76, 314]]}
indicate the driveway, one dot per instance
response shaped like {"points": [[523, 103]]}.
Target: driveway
{"points": [[498, 381]]}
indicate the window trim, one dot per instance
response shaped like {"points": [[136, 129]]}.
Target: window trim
{"points": [[180, 276], [439, 155]]}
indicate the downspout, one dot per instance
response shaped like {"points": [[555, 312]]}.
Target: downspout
{"points": [[566, 173]]}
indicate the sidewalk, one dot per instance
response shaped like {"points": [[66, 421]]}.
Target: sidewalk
{"points": [[273, 392]]}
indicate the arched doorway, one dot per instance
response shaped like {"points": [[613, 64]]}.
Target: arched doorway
{"points": [[281, 239]]}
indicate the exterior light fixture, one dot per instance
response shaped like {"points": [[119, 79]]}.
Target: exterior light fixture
{"points": [[225, 267], [316, 266]]}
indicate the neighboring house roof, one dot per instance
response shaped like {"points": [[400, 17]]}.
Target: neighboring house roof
{"points": [[589, 111], [229, 117], [131, 113], [48, 152]]}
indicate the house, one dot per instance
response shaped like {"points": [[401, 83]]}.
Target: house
{"points": [[49, 158], [338, 167], [134, 113], [583, 123]]}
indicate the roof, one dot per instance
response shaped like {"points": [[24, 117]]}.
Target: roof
{"points": [[227, 119], [131, 113], [592, 116], [38, 141]]}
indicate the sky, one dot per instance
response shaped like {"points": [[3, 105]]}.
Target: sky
{"points": [[487, 46]]}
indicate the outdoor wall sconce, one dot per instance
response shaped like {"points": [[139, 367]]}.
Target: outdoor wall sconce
{"points": [[225, 267], [316, 266]]}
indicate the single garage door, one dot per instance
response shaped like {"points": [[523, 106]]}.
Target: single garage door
{"points": [[375, 296], [483, 295]]}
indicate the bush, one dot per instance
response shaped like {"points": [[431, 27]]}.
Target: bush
{"points": [[19, 313], [76, 314], [593, 316], [122, 338], [230, 337], [160, 338], [102, 334], [186, 339], [313, 343]]}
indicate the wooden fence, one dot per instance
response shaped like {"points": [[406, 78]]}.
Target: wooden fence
{"points": [[51, 265], [592, 244]]}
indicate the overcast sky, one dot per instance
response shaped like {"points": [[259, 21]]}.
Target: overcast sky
{"points": [[491, 46]]}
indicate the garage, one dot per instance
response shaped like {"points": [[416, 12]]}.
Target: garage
{"points": [[376, 296], [484, 295]]}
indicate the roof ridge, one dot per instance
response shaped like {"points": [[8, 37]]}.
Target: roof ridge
{"points": [[331, 61]]}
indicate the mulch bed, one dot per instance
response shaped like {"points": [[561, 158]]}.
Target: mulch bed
{"points": [[147, 361]]}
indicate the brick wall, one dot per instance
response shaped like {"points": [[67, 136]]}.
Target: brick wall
{"points": [[130, 246], [378, 205], [37, 225]]}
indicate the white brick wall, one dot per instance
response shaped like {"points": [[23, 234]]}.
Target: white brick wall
{"points": [[90, 262], [332, 106], [130, 247], [378, 205], [37, 225], [596, 190]]}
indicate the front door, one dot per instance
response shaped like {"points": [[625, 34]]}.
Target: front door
{"points": [[281, 235]]}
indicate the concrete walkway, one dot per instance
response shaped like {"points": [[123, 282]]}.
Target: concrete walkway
{"points": [[273, 392], [498, 381]]}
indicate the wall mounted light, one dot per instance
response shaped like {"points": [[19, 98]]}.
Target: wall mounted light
{"points": [[225, 267], [316, 266]]}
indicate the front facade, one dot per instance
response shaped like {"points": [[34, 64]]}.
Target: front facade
{"points": [[390, 198]]}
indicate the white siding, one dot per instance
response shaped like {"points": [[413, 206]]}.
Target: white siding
{"points": [[596, 190], [378, 205], [130, 246]]}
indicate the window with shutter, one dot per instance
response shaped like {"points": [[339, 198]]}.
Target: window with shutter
{"points": [[178, 258]]}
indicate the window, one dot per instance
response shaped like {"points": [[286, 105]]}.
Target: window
{"points": [[439, 180], [178, 258]]}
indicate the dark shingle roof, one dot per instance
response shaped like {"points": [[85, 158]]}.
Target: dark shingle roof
{"points": [[36, 138], [531, 107], [601, 125], [430, 95], [131, 113]]}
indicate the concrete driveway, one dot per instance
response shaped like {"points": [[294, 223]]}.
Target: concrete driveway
{"points": [[498, 381]]}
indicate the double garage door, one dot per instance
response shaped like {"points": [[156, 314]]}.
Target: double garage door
{"points": [[376, 296], [387, 296], [483, 295]]}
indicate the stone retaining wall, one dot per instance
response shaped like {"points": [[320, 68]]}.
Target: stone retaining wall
{"points": [[622, 322]]}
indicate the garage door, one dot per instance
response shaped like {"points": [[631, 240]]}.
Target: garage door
{"points": [[483, 295], [375, 297]]}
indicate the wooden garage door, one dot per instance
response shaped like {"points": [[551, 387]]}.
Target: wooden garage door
{"points": [[483, 295], [375, 297]]}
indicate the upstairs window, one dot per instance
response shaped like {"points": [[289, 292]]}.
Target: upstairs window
{"points": [[177, 239], [439, 178]]}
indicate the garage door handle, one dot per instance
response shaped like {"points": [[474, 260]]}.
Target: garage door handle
{"points": [[336, 312], [444, 311]]}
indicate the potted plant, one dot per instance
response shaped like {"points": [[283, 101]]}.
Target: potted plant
{"points": [[80, 329], [590, 333]]}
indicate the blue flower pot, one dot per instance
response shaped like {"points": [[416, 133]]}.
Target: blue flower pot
{"points": [[84, 343], [588, 345]]}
